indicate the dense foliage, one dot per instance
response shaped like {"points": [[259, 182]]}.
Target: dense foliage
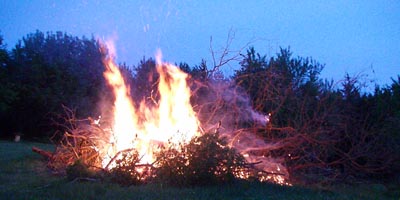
{"points": [[44, 72], [206, 160], [327, 131]]}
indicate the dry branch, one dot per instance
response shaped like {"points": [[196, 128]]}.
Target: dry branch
{"points": [[46, 154], [116, 156]]}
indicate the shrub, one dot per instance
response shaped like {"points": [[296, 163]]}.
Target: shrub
{"points": [[126, 172], [205, 160]]}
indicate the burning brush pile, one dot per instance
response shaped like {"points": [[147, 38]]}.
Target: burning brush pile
{"points": [[163, 139]]}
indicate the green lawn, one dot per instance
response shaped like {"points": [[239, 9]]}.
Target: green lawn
{"points": [[23, 175]]}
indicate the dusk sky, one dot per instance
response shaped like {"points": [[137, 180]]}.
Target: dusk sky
{"points": [[358, 37]]}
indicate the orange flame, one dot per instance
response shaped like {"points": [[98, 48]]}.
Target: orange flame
{"points": [[171, 120], [125, 118]]}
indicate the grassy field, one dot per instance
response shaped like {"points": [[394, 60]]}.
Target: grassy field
{"points": [[23, 175]]}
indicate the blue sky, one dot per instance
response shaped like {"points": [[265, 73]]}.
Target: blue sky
{"points": [[355, 37]]}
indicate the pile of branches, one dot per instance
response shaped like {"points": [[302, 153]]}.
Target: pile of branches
{"points": [[77, 140], [205, 160], [314, 140], [324, 135]]}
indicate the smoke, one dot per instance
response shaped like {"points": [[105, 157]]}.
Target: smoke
{"points": [[224, 107], [223, 102]]}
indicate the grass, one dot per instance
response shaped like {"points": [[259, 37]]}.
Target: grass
{"points": [[23, 175]]}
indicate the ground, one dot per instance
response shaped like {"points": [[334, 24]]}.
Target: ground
{"points": [[23, 175]]}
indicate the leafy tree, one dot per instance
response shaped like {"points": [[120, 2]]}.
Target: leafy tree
{"points": [[51, 70], [145, 78], [200, 72], [7, 94], [281, 85]]}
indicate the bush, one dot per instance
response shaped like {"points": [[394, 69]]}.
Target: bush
{"points": [[205, 160], [126, 172]]}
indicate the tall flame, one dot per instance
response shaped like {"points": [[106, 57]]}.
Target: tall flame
{"points": [[171, 120], [125, 119], [175, 119]]}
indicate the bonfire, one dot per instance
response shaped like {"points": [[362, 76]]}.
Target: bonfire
{"points": [[143, 141]]}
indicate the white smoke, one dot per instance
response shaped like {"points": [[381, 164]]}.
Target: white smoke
{"points": [[227, 109]]}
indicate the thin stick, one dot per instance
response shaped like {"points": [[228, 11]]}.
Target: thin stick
{"points": [[116, 156]]}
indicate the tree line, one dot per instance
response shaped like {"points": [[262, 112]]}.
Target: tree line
{"points": [[326, 131]]}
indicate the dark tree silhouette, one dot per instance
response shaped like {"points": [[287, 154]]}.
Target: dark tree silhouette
{"points": [[51, 70]]}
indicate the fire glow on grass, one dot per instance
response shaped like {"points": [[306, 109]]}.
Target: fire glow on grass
{"points": [[171, 121]]}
